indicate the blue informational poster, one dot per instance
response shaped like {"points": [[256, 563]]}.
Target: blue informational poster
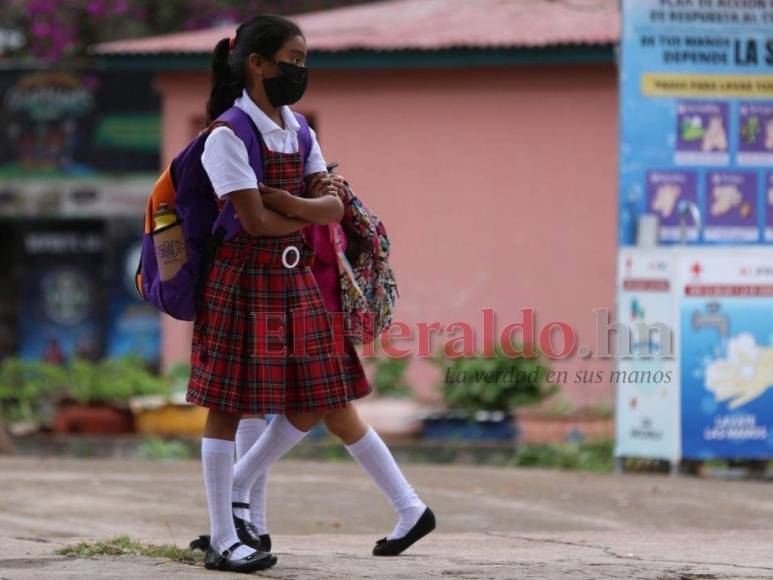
{"points": [[726, 349], [696, 90]]}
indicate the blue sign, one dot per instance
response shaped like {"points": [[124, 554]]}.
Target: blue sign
{"points": [[62, 290], [727, 355], [697, 121]]}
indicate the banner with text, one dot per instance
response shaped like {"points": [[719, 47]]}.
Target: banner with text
{"points": [[696, 145]]}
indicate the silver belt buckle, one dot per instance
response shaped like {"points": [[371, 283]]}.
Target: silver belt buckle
{"points": [[287, 251]]}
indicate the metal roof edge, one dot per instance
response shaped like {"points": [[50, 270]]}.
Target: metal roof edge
{"points": [[399, 59]]}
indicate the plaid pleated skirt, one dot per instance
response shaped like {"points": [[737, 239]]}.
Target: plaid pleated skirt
{"points": [[263, 341], [325, 270]]}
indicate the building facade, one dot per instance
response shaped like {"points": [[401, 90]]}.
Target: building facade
{"points": [[491, 158]]}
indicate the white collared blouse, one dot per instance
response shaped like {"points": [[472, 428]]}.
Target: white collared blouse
{"points": [[225, 156]]}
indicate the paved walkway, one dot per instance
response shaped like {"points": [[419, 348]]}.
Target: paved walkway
{"points": [[324, 517]]}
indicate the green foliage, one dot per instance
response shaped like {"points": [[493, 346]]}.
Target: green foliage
{"points": [[603, 410], [498, 383], [563, 407], [29, 388], [123, 545], [26, 386], [54, 29], [113, 381], [560, 407], [158, 449], [591, 456], [389, 377], [327, 449]]}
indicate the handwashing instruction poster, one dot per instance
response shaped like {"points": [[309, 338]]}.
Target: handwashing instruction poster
{"points": [[726, 348], [647, 404], [697, 120]]}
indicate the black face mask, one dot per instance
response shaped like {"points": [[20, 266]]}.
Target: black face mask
{"points": [[288, 86]]}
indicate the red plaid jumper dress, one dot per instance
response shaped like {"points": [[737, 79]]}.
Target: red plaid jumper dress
{"points": [[263, 340]]}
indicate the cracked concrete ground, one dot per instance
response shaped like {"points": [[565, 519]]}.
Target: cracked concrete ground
{"points": [[324, 518]]}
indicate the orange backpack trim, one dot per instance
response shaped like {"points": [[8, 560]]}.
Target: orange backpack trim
{"points": [[162, 192]]}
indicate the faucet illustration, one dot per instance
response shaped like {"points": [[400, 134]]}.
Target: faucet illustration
{"points": [[712, 319], [687, 209]]}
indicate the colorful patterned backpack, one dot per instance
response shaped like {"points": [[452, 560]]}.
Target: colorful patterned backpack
{"points": [[368, 284]]}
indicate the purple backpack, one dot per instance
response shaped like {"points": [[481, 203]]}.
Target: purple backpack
{"points": [[185, 189]]}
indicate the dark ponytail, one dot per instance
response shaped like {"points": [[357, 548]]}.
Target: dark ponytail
{"points": [[264, 34], [225, 86]]}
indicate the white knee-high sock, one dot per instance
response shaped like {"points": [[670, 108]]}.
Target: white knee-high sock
{"points": [[247, 434], [217, 459], [377, 461], [278, 439]]}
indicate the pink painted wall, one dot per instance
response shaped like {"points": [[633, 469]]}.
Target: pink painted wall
{"points": [[497, 186]]}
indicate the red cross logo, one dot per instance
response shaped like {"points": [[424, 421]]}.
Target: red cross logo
{"points": [[696, 269]]}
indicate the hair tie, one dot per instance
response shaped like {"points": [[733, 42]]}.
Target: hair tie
{"points": [[231, 42]]}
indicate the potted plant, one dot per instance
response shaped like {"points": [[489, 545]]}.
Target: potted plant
{"points": [[169, 414], [6, 443], [560, 421], [388, 377], [98, 395], [28, 393], [482, 394]]}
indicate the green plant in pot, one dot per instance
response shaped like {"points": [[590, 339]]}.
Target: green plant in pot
{"points": [[98, 395], [389, 378], [482, 394], [28, 393], [113, 381]]}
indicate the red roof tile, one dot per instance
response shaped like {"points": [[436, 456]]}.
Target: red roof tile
{"points": [[422, 25]]}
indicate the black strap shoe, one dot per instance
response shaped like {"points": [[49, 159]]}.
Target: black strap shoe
{"points": [[394, 547], [252, 563], [247, 533], [202, 543]]}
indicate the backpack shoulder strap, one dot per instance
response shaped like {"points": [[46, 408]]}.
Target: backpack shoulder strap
{"points": [[304, 136], [241, 124]]}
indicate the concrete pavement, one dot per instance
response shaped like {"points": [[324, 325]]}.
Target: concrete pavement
{"points": [[324, 518]]}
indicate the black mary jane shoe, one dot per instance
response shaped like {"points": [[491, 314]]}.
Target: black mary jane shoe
{"points": [[246, 532], [252, 563], [262, 545], [420, 529]]}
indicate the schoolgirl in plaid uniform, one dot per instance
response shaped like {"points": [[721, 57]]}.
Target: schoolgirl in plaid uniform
{"points": [[259, 302], [252, 307], [415, 519]]}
